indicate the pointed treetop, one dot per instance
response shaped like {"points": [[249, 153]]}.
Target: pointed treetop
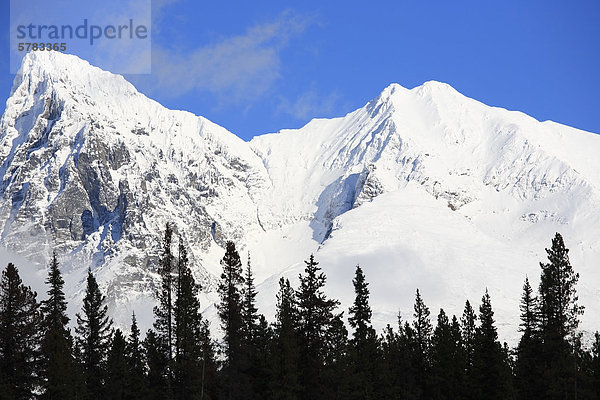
{"points": [[360, 312]]}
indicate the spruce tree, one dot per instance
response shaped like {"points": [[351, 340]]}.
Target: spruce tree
{"points": [[363, 352], [315, 312], [528, 368], [164, 319], [249, 311], [446, 360], [336, 369], [116, 368], [230, 309], [412, 382], [489, 368], [468, 331], [360, 312], [261, 371], [79, 376], [135, 385], [210, 382], [558, 296], [188, 332], [528, 308], [158, 384], [459, 358], [390, 364], [93, 338], [398, 367], [163, 312], [559, 319], [423, 330], [254, 358], [285, 382], [20, 323], [57, 364]]}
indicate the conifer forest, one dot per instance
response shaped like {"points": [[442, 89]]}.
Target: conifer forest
{"points": [[312, 349]]}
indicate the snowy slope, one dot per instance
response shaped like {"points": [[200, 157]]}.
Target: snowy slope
{"points": [[95, 169], [427, 188], [423, 187]]}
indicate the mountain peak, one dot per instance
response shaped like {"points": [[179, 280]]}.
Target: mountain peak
{"points": [[67, 71], [392, 89], [436, 85], [51, 60], [94, 170], [395, 96], [438, 92], [429, 87]]}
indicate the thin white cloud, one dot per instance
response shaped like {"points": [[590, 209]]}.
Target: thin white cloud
{"points": [[158, 13], [309, 104], [129, 56], [234, 69]]}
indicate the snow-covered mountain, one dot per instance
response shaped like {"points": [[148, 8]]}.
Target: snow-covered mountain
{"points": [[423, 187]]}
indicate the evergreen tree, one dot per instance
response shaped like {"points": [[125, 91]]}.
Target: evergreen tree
{"points": [[255, 357], [57, 365], [261, 362], [468, 331], [249, 311], [363, 352], [305, 354], [163, 312], [156, 360], [508, 369], [490, 370], [558, 296], [20, 322], [116, 368], [360, 312], [446, 360], [188, 333], [559, 319], [230, 311], [390, 364], [423, 330], [135, 385], [412, 382], [528, 368], [286, 353], [336, 369], [93, 331], [79, 376], [528, 308], [210, 384], [315, 312], [459, 358]]}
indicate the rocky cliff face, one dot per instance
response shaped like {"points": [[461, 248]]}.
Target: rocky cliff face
{"points": [[447, 192], [94, 170]]}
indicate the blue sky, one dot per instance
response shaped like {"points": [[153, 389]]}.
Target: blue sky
{"points": [[260, 66]]}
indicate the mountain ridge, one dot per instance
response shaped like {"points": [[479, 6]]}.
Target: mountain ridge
{"points": [[94, 168]]}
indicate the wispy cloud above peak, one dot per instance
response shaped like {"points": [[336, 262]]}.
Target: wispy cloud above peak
{"points": [[234, 69], [310, 104]]}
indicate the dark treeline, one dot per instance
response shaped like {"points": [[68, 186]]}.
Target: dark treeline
{"points": [[307, 353]]}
